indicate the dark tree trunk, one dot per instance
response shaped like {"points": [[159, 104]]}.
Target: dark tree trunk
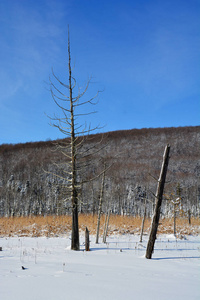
{"points": [[87, 240], [189, 216], [75, 229], [158, 202]]}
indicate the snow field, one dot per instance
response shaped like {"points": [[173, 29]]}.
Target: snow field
{"points": [[115, 270]]}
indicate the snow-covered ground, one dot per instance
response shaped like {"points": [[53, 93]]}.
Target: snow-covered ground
{"points": [[116, 270]]}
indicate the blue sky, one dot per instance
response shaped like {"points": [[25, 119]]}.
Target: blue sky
{"points": [[144, 55]]}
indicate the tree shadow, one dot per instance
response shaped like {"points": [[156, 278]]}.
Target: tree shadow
{"points": [[110, 249], [178, 257]]}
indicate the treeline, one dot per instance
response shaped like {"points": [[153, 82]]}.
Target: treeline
{"points": [[28, 185]]}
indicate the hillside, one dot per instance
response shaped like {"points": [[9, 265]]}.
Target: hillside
{"points": [[28, 184]]}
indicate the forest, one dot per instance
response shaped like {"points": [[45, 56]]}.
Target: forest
{"points": [[29, 184]]}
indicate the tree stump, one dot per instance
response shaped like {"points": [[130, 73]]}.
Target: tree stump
{"points": [[87, 240]]}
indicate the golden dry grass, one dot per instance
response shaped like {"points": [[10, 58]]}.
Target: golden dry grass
{"points": [[59, 225]]}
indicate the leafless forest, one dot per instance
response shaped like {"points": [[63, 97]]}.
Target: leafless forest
{"points": [[28, 185]]}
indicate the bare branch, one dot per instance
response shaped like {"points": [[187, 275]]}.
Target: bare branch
{"points": [[85, 114], [65, 85], [63, 109], [94, 178], [153, 177], [89, 101]]}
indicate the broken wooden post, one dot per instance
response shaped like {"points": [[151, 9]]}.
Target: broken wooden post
{"points": [[87, 240], [158, 202]]}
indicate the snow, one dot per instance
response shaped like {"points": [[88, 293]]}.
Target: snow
{"points": [[115, 270]]}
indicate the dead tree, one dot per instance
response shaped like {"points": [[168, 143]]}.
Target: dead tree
{"points": [[70, 99], [158, 202], [87, 240], [100, 206], [176, 204], [107, 218], [175, 201], [105, 222], [143, 220]]}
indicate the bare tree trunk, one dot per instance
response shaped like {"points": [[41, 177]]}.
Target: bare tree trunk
{"points": [[189, 216], [87, 240], [143, 220], [198, 197], [75, 229], [106, 227], [93, 201], [174, 219], [106, 217], [158, 202], [100, 206]]}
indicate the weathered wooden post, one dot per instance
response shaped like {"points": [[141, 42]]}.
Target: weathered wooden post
{"points": [[87, 240], [158, 202]]}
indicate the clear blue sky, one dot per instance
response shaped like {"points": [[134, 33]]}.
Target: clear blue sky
{"points": [[145, 55]]}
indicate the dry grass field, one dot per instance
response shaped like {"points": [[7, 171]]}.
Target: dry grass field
{"points": [[50, 226]]}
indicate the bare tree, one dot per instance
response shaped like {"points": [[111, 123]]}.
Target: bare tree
{"points": [[143, 219], [107, 218], [100, 205], [69, 99]]}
